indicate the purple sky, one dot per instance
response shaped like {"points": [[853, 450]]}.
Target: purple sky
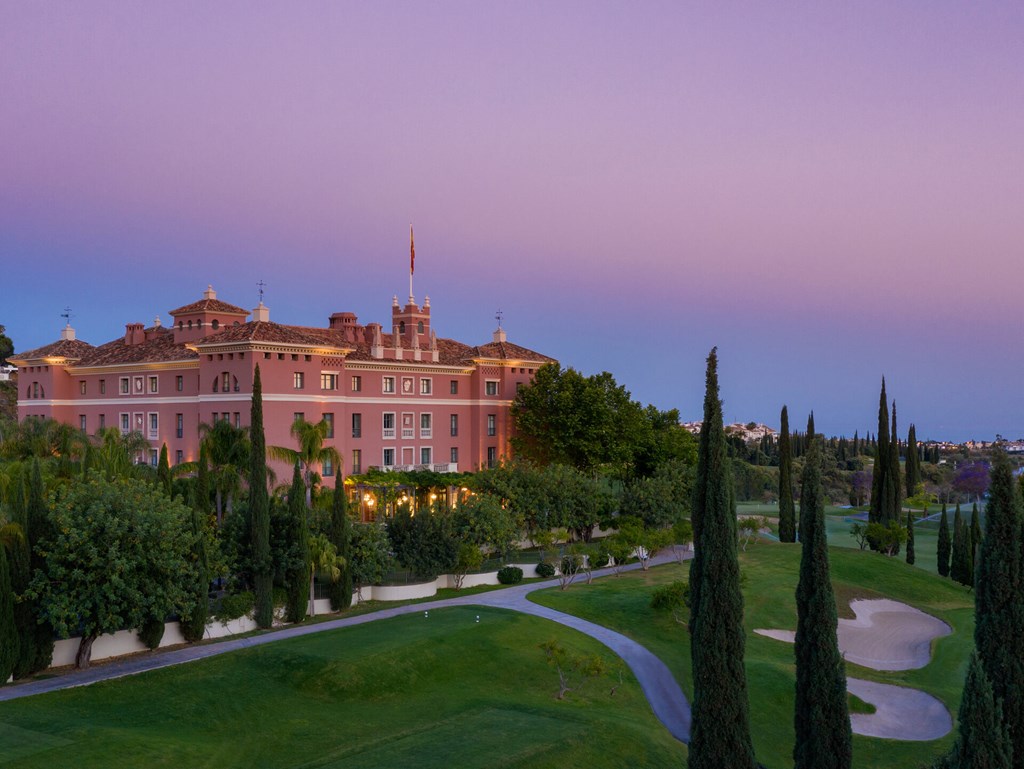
{"points": [[828, 192]]}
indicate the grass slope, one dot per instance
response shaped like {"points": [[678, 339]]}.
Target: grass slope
{"points": [[413, 692], [770, 574]]}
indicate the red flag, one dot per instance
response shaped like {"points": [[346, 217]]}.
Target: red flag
{"points": [[412, 252]]}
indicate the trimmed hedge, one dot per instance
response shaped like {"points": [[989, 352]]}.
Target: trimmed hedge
{"points": [[510, 575], [545, 570]]}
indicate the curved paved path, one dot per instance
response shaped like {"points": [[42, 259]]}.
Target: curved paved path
{"points": [[667, 700]]}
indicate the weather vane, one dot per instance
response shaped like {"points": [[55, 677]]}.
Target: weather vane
{"points": [[261, 286], [498, 317], [66, 315]]}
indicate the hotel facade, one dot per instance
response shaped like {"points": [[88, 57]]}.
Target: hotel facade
{"points": [[401, 399]]}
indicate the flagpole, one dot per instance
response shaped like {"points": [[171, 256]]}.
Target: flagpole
{"points": [[412, 262]]}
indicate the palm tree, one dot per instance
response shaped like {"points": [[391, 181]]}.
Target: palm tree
{"points": [[311, 452], [113, 454], [228, 449], [323, 558]]}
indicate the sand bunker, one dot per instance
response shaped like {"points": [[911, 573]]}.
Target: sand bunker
{"points": [[886, 635], [900, 713]]}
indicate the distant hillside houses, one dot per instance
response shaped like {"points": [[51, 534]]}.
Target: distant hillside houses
{"points": [[751, 431]]}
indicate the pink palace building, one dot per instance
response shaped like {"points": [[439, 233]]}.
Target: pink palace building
{"points": [[400, 400]]}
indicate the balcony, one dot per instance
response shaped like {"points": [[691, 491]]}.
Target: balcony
{"points": [[408, 433], [446, 467], [389, 432], [426, 432]]}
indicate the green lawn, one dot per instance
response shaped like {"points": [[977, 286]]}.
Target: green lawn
{"points": [[417, 692], [770, 574]]}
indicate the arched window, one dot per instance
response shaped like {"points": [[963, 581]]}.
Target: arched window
{"points": [[190, 325], [401, 327], [419, 327], [215, 324], [216, 384], [225, 382], [181, 325], [35, 389]]}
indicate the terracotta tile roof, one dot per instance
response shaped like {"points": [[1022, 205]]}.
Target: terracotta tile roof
{"points": [[159, 349], [508, 351], [265, 331], [63, 348], [210, 305]]}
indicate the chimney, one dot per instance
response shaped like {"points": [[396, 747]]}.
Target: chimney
{"points": [[499, 335], [261, 313], [209, 293], [134, 333]]}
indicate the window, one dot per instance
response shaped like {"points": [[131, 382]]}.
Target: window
{"points": [[179, 383], [298, 380], [81, 387], [328, 468], [225, 382], [103, 421], [238, 419], [179, 457], [491, 387], [454, 425], [299, 416], [81, 423], [425, 426], [179, 429], [357, 426], [153, 384], [454, 455], [401, 327], [35, 389], [492, 426], [419, 327], [388, 384], [389, 425], [124, 386], [492, 456], [154, 424], [103, 387], [215, 324], [126, 424], [357, 384], [425, 456], [453, 387], [154, 457], [356, 457], [226, 416], [425, 386], [329, 419], [328, 381], [389, 457]]}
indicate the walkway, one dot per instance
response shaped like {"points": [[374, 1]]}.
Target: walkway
{"points": [[667, 700]]}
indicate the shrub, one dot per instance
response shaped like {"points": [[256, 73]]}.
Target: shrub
{"points": [[152, 632], [545, 570], [670, 597], [510, 575], [233, 606]]}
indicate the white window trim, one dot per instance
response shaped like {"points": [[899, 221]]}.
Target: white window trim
{"points": [[393, 429], [385, 382]]}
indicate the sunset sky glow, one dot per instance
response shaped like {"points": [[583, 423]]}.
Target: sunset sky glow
{"points": [[829, 192]]}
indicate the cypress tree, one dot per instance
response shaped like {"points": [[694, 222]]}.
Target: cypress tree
{"points": [[202, 493], [9, 636], [163, 472], [810, 430], [913, 464], [976, 530], [982, 739], [720, 731], [341, 537], [911, 556], [822, 719], [787, 511], [193, 620], [969, 547], [944, 545], [38, 529], [958, 560], [880, 468], [999, 600], [297, 574], [259, 512], [894, 502]]}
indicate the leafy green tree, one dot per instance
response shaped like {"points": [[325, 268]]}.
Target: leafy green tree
{"points": [[114, 454], [10, 639], [259, 512], [469, 558], [720, 732], [298, 574], [822, 719], [39, 528], [945, 548], [340, 590], [371, 554], [481, 520], [118, 555], [201, 490], [911, 555], [982, 738], [6, 350], [423, 543], [311, 454], [787, 511], [660, 499], [999, 600]]}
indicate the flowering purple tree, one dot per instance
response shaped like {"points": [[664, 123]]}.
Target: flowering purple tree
{"points": [[972, 479]]}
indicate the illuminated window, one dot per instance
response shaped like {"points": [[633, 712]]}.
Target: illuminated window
{"points": [[425, 386], [329, 419], [298, 380], [328, 381], [491, 387], [388, 384]]}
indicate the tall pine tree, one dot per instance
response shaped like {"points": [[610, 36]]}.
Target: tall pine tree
{"points": [[340, 591], [297, 575], [975, 535], [163, 472], [913, 463], [911, 555], [999, 600], [720, 731], [259, 512], [896, 503], [958, 566], [944, 543], [822, 718], [787, 511], [982, 740], [880, 468]]}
